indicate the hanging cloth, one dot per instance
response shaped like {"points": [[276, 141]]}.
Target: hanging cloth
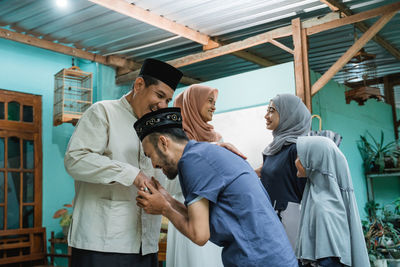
{"points": [[335, 137]]}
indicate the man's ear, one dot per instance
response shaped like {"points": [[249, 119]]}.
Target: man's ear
{"points": [[163, 143], [139, 85]]}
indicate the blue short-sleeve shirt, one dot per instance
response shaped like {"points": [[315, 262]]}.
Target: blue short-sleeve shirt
{"points": [[242, 219]]}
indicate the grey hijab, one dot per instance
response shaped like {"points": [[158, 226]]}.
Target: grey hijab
{"points": [[330, 225], [294, 121]]}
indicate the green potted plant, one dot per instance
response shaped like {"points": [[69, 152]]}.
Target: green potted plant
{"points": [[376, 155], [381, 236], [66, 216]]}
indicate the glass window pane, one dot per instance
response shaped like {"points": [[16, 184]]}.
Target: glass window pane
{"points": [[14, 157], [1, 110], [1, 187], [1, 218], [27, 216], [28, 187], [13, 111], [1, 152], [27, 113], [13, 201], [29, 155]]}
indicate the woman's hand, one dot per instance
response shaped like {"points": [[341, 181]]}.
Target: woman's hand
{"points": [[258, 171], [232, 148]]}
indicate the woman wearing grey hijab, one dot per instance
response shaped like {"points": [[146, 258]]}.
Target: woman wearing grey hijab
{"points": [[330, 231], [288, 118]]}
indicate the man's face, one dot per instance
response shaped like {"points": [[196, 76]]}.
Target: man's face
{"points": [[159, 159], [151, 98]]}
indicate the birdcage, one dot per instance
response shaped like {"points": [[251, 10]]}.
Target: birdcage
{"points": [[72, 95], [358, 71]]}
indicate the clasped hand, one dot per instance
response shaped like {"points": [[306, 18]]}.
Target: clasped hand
{"points": [[155, 199]]}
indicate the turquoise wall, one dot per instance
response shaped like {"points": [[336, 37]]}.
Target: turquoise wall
{"points": [[252, 88], [351, 121], [31, 70]]}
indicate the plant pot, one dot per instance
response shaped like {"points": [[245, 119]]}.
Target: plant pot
{"points": [[395, 253], [393, 262], [389, 163], [395, 220], [65, 230]]}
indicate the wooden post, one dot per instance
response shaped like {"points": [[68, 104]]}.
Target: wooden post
{"points": [[389, 98], [301, 69]]}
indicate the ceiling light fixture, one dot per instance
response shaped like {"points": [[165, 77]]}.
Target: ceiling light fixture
{"points": [[61, 3]]}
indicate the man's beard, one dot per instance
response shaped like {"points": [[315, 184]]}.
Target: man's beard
{"points": [[169, 168]]}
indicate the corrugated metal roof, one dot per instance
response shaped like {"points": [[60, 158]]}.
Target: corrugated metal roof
{"points": [[97, 29]]}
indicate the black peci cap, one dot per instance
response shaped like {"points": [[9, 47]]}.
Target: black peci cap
{"points": [[161, 71], [157, 120]]}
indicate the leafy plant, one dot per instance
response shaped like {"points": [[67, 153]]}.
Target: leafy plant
{"points": [[64, 214], [374, 153], [372, 208], [381, 236]]}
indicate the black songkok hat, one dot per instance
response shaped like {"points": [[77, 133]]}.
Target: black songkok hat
{"points": [[157, 120], [161, 71]]}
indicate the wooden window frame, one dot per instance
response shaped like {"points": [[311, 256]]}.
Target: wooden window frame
{"points": [[24, 131]]}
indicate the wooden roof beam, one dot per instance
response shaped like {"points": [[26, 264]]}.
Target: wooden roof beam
{"points": [[364, 27], [148, 17], [158, 21], [113, 61], [371, 32], [331, 7], [237, 46]]}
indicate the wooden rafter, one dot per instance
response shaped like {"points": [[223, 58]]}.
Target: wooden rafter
{"points": [[324, 79], [254, 58], [237, 46], [364, 27], [111, 60], [67, 50], [353, 18], [282, 46], [158, 21], [332, 7], [148, 17], [302, 72]]}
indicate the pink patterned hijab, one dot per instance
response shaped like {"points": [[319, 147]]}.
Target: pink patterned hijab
{"points": [[191, 101]]}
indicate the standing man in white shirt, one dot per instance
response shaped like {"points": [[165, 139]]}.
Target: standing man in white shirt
{"points": [[106, 160]]}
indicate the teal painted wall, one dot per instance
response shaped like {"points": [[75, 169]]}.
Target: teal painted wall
{"points": [[31, 70], [351, 121], [252, 88]]}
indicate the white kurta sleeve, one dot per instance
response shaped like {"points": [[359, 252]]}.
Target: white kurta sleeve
{"points": [[87, 158]]}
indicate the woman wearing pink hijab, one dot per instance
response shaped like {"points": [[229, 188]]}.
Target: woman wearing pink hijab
{"points": [[197, 105]]}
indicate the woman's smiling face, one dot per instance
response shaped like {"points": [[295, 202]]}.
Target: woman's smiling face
{"points": [[272, 117], [208, 108]]}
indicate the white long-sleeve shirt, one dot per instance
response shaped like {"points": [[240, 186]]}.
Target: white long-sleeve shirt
{"points": [[104, 156]]}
